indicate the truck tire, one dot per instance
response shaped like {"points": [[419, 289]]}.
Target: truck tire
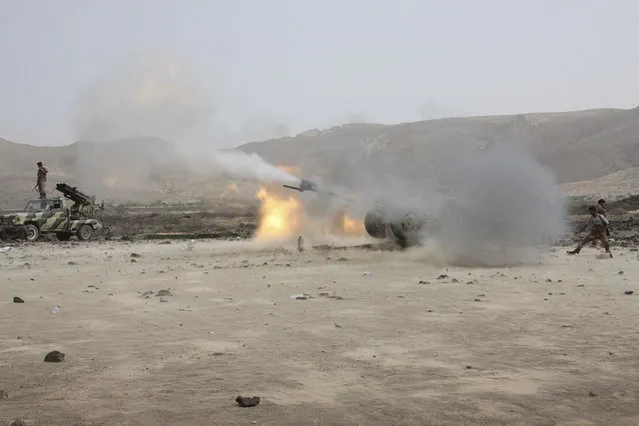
{"points": [[85, 232], [33, 233]]}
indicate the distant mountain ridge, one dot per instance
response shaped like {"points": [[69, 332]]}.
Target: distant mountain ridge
{"points": [[588, 151]]}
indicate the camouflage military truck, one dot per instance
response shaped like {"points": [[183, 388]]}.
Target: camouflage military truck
{"points": [[74, 214]]}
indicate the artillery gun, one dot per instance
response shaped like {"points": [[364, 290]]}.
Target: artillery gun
{"points": [[55, 215], [385, 221]]}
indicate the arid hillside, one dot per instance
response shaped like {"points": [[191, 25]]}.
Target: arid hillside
{"points": [[591, 152], [577, 146], [132, 169]]}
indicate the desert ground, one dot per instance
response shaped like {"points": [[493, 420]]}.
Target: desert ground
{"points": [[384, 338]]}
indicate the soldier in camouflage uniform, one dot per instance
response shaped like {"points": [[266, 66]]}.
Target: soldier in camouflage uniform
{"points": [[42, 180], [598, 225], [601, 209]]}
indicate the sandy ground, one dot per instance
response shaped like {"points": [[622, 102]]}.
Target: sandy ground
{"points": [[548, 344]]}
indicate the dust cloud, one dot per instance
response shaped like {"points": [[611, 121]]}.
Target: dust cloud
{"points": [[159, 119], [503, 204], [489, 207]]}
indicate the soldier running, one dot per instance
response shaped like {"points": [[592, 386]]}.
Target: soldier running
{"points": [[598, 225], [601, 207], [42, 180]]}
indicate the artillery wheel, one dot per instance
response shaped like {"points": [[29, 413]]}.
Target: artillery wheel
{"points": [[375, 225], [33, 233], [63, 236], [406, 231], [85, 232]]}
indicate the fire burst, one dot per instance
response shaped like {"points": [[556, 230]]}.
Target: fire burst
{"points": [[280, 217], [347, 226]]}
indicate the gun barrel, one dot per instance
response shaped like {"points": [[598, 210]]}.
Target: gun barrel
{"points": [[292, 187], [74, 194]]}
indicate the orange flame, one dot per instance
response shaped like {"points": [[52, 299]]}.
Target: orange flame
{"points": [[280, 217], [346, 226]]}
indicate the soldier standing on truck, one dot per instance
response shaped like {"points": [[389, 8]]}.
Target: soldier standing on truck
{"points": [[42, 180]]}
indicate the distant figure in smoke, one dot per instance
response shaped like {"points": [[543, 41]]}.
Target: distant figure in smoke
{"points": [[598, 226], [42, 180]]}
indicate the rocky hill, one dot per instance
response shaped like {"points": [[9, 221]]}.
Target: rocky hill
{"points": [[577, 146], [132, 169], [591, 152]]}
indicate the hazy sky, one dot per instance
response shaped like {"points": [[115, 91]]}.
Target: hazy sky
{"points": [[314, 63]]}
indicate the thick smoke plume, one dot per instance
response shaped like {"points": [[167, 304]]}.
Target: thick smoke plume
{"points": [[503, 204], [162, 117], [242, 166], [485, 204], [149, 96]]}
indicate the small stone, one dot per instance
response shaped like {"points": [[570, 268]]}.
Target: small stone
{"points": [[469, 367], [620, 273], [164, 292], [135, 255], [548, 280], [628, 292], [580, 285], [54, 356], [247, 401], [455, 280], [592, 394], [442, 277], [424, 282], [18, 300], [134, 261], [477, 300], [3, 394]]}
